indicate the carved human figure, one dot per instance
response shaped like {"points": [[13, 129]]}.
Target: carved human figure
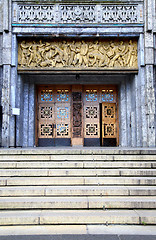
{"points": [[24, 54], [47, 54], [81, 56], [131, 60], [115, 54], [66, 52], [122, 49], [72, 47], [97, 55], [35, 56], [41, 49], [58, 55], [104, 49]]}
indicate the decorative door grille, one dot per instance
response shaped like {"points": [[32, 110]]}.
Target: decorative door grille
{"points": [[109, 116], [54, 116], [91, 115]]}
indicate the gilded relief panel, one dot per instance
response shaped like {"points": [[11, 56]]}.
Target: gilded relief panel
{"points": [[77, 54]]}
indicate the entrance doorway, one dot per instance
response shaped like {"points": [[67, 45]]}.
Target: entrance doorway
{"points": [[77, 115]]}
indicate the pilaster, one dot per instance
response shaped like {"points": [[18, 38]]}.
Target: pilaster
{"points": [[149, 73], [123, 117], [9, 78]]}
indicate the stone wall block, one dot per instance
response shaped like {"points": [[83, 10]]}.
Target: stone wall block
{"points": [[7, 39], [151, 130], [7, 48], [141, 53], [149, 56], [154, 49], [14, 51], [149, 15], [5, 101], [6, 15], [149, 41], [1, 16], [7, 56], [133, 127], [1, 50], [149, 76]]}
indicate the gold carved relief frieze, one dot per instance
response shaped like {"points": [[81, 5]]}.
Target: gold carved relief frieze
{"points": [[78, 54]]}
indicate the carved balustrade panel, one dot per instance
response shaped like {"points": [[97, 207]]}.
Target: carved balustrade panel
{"points": [[77, 54], [77, 13]]}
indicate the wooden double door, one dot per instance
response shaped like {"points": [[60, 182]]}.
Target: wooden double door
{"points": [[77, 115]]}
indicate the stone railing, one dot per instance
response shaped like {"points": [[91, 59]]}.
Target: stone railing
{"points": [[77, 13]]}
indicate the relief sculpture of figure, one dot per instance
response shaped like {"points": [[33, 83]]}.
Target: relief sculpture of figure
{"points": [[116, 54], [97, 55], [78, 53], [46, 54], [131, 59], [66, 52], [81, 56], [72, 47], [58, 56], [23, 60], [35, 56]]}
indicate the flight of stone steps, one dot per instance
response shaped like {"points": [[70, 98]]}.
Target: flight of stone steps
{"points": [[77, 186]]}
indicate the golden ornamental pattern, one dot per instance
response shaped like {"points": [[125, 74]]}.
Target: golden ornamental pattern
{"points": [[78, 54]]}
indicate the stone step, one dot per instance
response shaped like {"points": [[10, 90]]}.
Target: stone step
{"points": [[77, 172], [60, 172], [39, 181], [78, 202], [72, 164], [78, 191], [75, 157], [54, 217]]}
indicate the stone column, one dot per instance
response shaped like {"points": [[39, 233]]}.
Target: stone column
{"points": [[6, 64], [149, 73], [123, 117], [142, 79]]}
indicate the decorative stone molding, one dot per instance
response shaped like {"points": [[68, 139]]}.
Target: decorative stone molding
{"points": [[77, 13], [77, 54]]}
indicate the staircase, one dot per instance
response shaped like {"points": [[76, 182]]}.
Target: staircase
{"points": [[77, 186]]}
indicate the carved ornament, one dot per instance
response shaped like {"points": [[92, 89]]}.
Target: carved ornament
{"points": [[77, 13], [78, 54]]}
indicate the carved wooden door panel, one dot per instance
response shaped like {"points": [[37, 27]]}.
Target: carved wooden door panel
{"points": [[91, 117], [109, 117], [53, 116], [45, 116], [62, 116]]}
